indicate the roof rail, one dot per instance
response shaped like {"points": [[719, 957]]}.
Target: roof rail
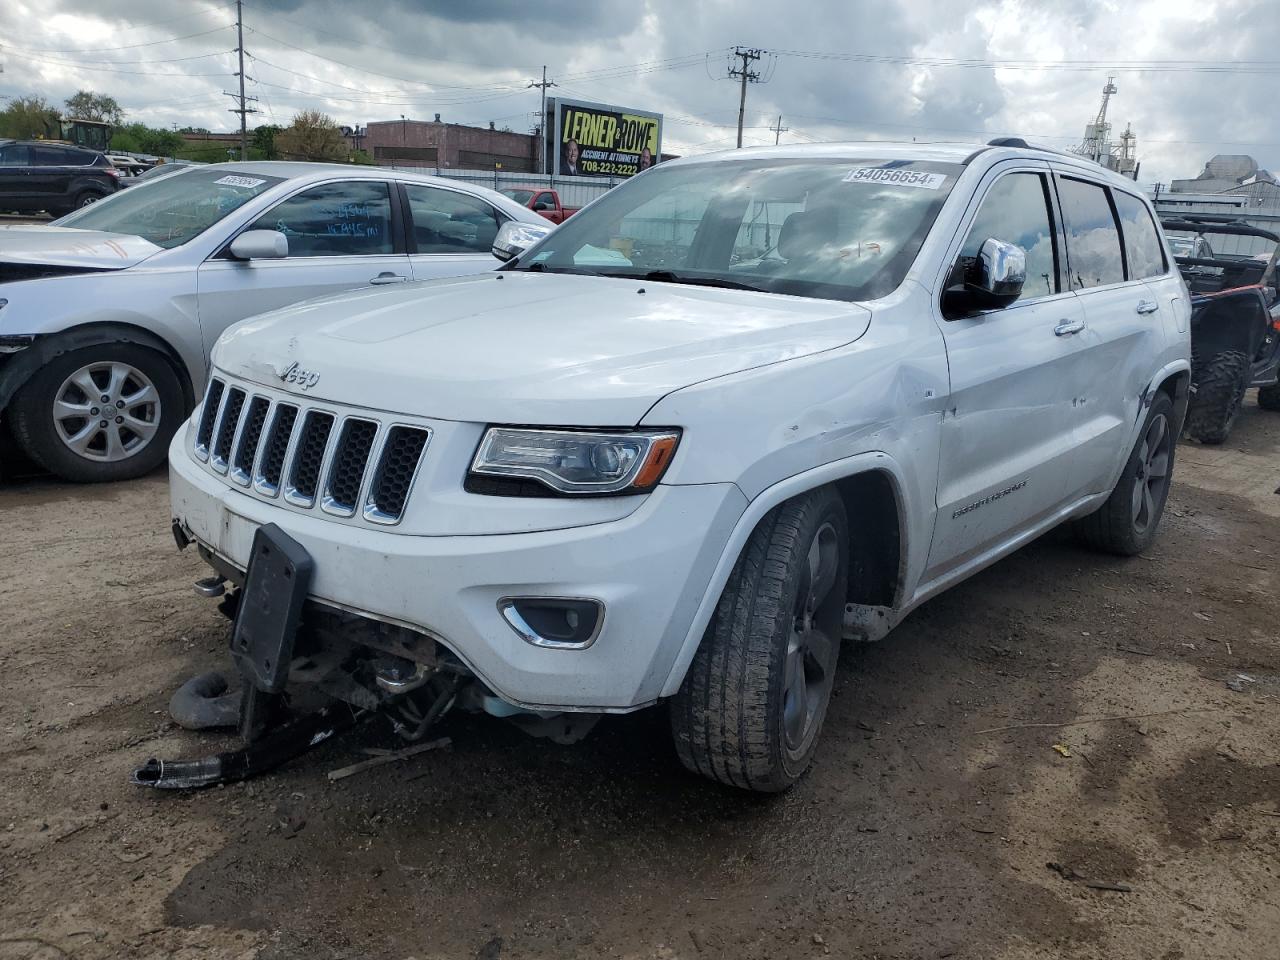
{"points": [[1010, 142]]}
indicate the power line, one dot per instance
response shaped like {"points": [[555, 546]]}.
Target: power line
{"points": [[127, 46], [1135, 66]]}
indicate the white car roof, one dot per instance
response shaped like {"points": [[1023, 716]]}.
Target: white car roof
{"points": [[945, 152]]}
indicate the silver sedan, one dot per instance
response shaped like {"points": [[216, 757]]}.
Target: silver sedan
{"points": [[107, 316]]}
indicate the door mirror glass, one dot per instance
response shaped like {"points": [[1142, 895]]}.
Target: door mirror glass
{"points": [[997, 274], [260, 245], [515, 238]]}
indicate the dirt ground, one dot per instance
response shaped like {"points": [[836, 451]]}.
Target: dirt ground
{"points": [[924, 831]]}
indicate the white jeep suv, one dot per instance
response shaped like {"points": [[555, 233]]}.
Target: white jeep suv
{"points": [[741, 408]]}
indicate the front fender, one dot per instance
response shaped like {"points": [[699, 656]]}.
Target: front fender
{"points": [[21, 366], [768, 499]]}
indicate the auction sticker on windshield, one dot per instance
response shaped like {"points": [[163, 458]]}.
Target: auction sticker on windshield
{"points": [[897, 177], [234, 181]]}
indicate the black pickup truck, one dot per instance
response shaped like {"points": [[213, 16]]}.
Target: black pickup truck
{"points": [[1235, 325]]}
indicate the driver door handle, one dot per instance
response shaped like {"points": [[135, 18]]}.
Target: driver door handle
{"points": [[1068, 327], [387, 277], [1148, 306]]}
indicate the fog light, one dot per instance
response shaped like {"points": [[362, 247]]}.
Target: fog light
{"points": [[568, 624]]}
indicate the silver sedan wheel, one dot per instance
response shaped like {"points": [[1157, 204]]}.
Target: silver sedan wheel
{"points": [[106, 411]]}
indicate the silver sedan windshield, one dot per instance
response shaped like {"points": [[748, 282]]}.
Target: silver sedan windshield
{"points": [[171, 210]]}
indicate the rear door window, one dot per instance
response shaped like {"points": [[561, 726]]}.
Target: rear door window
{"points": [[50, 156], [342, 219], [14, 155], [1093, 242], [1141, 242], [446, 221]]}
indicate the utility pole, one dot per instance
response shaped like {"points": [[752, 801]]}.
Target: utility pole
{"points": [[746, 75], [778, 130], [244, 109], [542, 115]]}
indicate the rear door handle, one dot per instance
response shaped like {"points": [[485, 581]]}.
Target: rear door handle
{"points": [[387, 277], [1068, 327], [1148, 306]]}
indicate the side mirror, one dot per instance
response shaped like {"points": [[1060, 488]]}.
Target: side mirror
{"points": [[514, 238], [996, 276], [541, 205], [260, 245]]}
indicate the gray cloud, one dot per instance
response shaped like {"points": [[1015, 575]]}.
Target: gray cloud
{"points": [[472, 62]]}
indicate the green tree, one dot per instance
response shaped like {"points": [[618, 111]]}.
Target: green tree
{"points": [[264, 141], [312, 136], [28, 117], [87, 105], [139, 138]]}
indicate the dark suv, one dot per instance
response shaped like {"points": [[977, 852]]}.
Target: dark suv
{"points": [[56, 177]]}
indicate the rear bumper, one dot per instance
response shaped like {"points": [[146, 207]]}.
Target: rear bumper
{"points": [[650, 569]]}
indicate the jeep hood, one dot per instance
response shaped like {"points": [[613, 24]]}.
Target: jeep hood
{"points": [[517, 347], [68, 247]]}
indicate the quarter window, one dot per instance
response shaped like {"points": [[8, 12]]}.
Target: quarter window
{"points": [[1016, 210], [1093, 242], [334, 220], [445, 221], [1141, 242]]}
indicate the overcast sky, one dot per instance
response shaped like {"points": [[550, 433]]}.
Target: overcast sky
{"points": [[1195, 77]]}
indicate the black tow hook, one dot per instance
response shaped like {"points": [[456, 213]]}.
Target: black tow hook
{"points": [[272, 749]]}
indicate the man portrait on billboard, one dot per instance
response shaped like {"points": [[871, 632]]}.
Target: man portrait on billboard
{"points": [[646, 159], [569, 158]]}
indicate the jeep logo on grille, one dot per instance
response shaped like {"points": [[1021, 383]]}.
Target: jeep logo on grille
{"points": [[305, 379]]}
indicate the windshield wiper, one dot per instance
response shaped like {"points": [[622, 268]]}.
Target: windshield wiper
{"points": [[669, 276]]}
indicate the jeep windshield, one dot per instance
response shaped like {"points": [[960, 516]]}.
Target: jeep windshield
{"points": [[841, 229], [171, 210]]}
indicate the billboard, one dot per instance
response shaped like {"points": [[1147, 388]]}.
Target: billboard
{"points": [[597, 140]]}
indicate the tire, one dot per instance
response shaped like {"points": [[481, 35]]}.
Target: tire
{"points": [[1127, 523], [1269, 397], [752, 704], [78, 447], [1218, 393], [84, 198]]}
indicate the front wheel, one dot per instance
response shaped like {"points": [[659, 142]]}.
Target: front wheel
{"points": [[100, 413], [1126, 524], [752, 704]]}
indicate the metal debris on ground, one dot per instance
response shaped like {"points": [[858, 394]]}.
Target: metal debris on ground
{"points": [[344, 772], [1070, 875]]}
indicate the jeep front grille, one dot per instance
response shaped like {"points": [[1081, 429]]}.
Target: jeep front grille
{"points": [[353, 466], [399, 462]]}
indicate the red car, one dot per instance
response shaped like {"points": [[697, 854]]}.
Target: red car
{"points": [[545, 202]]}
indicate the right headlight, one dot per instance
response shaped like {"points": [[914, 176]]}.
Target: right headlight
{"points": [[577, 461]]}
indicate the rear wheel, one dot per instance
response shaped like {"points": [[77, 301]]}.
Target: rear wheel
{"points": [[100, 413], [1126, 524], [84, 198], [1219, 386], [752, 704]]}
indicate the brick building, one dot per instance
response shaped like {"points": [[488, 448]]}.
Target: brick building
{"points": [[449, 146]]}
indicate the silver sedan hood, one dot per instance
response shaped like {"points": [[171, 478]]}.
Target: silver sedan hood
{"points": [[68, 247]]}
